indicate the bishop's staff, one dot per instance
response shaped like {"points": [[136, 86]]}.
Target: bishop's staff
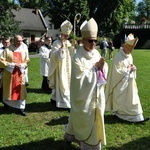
{"points": [[76, 21]]}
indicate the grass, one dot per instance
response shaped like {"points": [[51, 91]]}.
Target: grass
{"points": [[43, 127]]}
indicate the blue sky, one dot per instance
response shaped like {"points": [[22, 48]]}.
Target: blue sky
{"points": [[137, 1]]}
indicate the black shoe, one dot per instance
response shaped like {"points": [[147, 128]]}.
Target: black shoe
{"points": [[5, 106], [27, 84], [22, 112], [49, 91], [52, 101], [68, 142]]}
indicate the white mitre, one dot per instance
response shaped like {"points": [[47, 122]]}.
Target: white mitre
{"points": [[131, 41], [89, 29], [66, 27]]}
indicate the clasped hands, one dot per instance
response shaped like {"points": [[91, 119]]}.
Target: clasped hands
{"points": [[132, 67], [100, 63], [18, 65]]}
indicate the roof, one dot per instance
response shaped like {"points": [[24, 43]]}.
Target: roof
{"points": [[29, 20]]}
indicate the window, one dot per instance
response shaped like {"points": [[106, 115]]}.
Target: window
{"points": [[25, 34], [50, 26]]}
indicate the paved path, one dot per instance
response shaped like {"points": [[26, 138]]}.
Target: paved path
{"points": [[37, 55], [33, 55]]}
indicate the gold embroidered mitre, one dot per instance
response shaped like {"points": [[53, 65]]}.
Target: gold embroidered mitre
{"points": [[89, 29], [131, 41], [66, 27]]}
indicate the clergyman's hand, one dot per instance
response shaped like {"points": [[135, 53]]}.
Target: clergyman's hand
{"points": [[100, 63]]}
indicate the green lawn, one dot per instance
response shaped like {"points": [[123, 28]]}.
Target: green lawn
{"points": [[43, 127]]}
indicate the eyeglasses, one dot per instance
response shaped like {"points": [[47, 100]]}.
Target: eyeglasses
{"points": [[91, 41]]}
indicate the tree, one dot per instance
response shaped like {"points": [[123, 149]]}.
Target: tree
{"points": [[143, 10], [8, 26], [60, 10], [110, 14], [42, 4]]}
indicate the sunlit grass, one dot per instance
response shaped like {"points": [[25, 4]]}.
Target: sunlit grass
{"points": [[43, 127]]}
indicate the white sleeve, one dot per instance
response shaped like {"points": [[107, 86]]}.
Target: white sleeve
{"points": [[10, 67]]}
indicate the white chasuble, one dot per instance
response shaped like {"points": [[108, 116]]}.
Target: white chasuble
{"points": [[60, 72], [86, 121], [121, 90]]}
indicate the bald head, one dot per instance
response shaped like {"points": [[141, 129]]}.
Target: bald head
{"points": [[17, 40]]}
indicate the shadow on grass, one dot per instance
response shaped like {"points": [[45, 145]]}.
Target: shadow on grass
{"points": [[58, 121], [43, 107], [111, 119], [34, 107], [46, 144], [36, 90], [7, 111], [139, 144]]}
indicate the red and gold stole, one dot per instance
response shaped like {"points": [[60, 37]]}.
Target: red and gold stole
{"points": [[16, 77]]}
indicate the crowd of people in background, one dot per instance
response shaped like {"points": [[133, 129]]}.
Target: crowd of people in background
{"points": [[107, 45], [77, 78]]}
